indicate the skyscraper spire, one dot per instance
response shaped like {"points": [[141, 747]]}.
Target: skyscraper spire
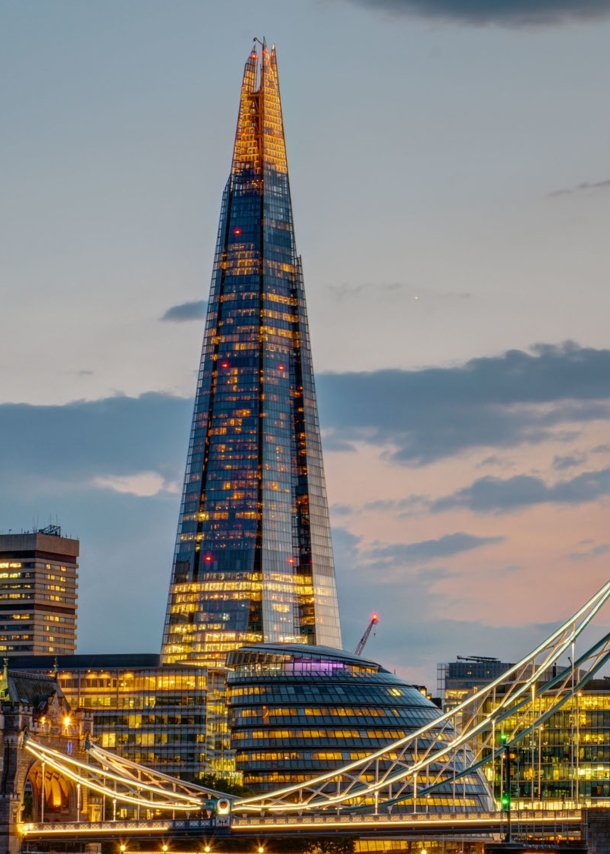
{"points": [[253, 559]]}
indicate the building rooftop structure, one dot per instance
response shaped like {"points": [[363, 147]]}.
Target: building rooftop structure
{"points": [[456, 679]]}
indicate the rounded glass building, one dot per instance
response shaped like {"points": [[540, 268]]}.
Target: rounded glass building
{"points": [[296, 711]]}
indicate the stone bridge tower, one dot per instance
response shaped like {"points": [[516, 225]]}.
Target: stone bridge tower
{"points": [[33, 705]]}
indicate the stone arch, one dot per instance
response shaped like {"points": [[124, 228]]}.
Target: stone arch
{"points": [[59, 795]]}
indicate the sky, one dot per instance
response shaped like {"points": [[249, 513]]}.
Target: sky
{"points": [[451, 188]]}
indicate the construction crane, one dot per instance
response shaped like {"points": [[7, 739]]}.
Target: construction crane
{"points": [[365, 636]]}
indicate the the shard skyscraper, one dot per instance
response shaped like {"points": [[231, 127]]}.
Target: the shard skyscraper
{"points": [[253, 559]]}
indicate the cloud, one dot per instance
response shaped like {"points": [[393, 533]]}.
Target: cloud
{"points": [[513, 13], [446, 546], [341, 509], [419, 416], [602, 549], [144, 484], [494, 495], [403, 506], [399, 289], [415, 417], [569, 461], [343, 290], [185, 311], [598, 185], [82, 443], [497, 461], [414, 631]]}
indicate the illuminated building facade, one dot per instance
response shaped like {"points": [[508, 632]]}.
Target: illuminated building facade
{"points": [[38, 593], [253, 559], [565, 763], [170, 718], [456, 679], [297, 711]]}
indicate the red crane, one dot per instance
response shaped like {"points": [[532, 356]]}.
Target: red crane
{"points": [[365, 636]]}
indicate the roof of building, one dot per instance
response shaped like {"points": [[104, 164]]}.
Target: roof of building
{"points": [[32, 688], [42, 541], [301, 651], [89, 662]]}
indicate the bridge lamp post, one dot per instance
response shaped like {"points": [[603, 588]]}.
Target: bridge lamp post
{"points": [[505, 801]]}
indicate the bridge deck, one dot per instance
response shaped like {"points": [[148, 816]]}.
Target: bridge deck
{"points": [[538, 821]]}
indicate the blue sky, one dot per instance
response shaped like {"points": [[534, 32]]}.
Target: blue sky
{"points": [[451, 186]]}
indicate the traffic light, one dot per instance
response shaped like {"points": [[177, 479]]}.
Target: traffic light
{"points": [[505, 801], [503, 738]]}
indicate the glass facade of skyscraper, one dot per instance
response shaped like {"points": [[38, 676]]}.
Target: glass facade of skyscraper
{"points": [[253, 558]]}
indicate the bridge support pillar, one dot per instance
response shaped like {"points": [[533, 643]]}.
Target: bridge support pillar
{"points": [[17, 717], [10, 840]]}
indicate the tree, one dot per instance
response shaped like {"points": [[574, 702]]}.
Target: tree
{"points": [[223, 784]]}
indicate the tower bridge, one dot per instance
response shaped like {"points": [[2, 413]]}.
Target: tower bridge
{"points": [[384, 793]]}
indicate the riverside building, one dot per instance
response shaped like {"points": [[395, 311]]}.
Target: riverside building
{"points": [[298, 711], [565, 763], [171, 718], [38, 593], [253, 559]]}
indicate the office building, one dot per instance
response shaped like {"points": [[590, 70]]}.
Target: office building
{"points": [[457, 679], [253, 559], [170, 718], [298, 711], [565, 763], [38, 593]]}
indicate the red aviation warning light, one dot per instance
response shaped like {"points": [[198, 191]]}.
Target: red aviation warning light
{"points": [[237, 231], [365, 636]]}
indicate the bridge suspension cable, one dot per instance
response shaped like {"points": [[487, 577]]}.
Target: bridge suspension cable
{"points": [[125, 781], [458, 742]]}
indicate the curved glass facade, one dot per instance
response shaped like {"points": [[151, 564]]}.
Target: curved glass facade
{"points": [[253, 559], [296, 712]]}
